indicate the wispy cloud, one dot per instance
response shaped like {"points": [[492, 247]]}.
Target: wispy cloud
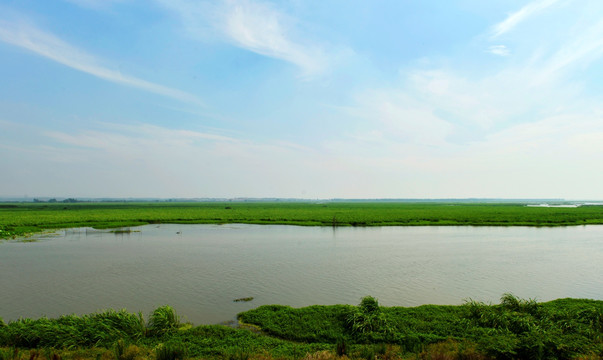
{"points": [[46, 44], [402, 118], [585, 46], [261, 28], [521, 15], [252, 25], [119, 136], [177, 162], [94, 4], [500, 50]]}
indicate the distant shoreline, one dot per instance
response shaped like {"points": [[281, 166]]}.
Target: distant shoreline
{"points": [[22, 219]]}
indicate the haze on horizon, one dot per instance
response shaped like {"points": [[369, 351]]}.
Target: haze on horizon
{"points": [[301, 99]]}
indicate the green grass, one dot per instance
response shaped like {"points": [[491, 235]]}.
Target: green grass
{"points": [[516, 328], [513, 329], [24, 218], [125, 336]]}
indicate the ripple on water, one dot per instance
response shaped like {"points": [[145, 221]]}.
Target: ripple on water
{"points": [[201, 270]]}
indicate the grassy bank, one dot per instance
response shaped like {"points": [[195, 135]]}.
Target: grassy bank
{"points": [[23, 218], [513, 329]]}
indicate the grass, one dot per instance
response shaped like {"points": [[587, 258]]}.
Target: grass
{"points": [[26, 218], [516, 328], [513, 329], [163, 321]]}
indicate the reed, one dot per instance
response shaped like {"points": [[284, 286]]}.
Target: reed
{"points": [[513, 329], [170, 351], [163, 320]]}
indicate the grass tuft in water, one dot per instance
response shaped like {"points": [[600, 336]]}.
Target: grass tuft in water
{"points": [[244, 299]]}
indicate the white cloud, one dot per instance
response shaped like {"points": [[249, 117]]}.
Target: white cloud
{"points": [[173, 163], [585, 45], [26, 36], [500, 50], [521, 15], [527, 127], [402, 118], [255, 26], [476, 103], [260, 28], [95, 4], [119, 139]]}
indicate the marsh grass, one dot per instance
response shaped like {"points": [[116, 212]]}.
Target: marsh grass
{"points": [[163, 320], [368, 319], [341, 346], [23, 218], [513, 329], [125, 351], [170, 351], [452, 350]]}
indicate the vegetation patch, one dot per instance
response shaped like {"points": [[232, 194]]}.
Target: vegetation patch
{"points": [[516, 328], [513, 329], [25, 218]]}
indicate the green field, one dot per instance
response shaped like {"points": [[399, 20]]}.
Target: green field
{"points": [[18, 219], [513, 329]]}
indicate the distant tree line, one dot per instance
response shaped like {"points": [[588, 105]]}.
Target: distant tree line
{"points": [[69, 200]]}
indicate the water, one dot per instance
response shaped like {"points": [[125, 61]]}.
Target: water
{"points": [[201, 269]]}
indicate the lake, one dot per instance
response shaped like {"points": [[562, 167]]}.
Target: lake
{"points": [[201, 269]]}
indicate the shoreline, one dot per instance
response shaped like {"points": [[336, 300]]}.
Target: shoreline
{"points": [[27, 219], [515, 328]]}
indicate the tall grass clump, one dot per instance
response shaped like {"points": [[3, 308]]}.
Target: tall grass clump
{"points": [[512, 303], [72, 331], [124, 351], [525, 329], [451, 350], [2, 332], [163, 320], [341, 347], [367, 322], [238, 354], [170, 351]]}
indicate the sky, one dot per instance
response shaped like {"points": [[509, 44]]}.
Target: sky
{"points": [[301, 99]]}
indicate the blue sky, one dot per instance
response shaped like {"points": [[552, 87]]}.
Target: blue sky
{"points": [[303, 99]]}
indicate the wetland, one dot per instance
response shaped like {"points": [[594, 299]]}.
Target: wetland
{"points": [[65, 267]]}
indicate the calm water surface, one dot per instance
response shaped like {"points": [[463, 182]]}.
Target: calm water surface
{"points": [[201, 269]]}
